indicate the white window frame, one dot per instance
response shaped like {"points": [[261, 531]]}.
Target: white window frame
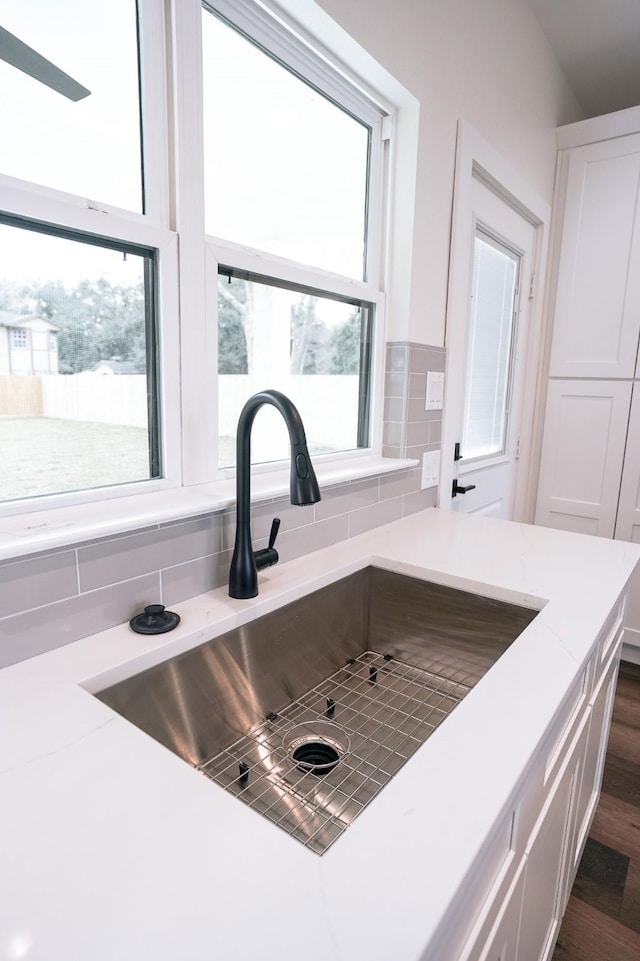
{"points": [[19, 342], [171, 94], [270, 30], [87, 222], [90, 218]]}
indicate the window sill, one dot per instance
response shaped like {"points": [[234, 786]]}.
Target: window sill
{"points": [[21, 535]]}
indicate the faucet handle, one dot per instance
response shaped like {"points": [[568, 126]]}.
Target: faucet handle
{"points": [[275, 527], [268, 556]]}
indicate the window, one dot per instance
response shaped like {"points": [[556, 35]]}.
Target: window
{"points": [[314, 348], [491, 336], [19, 339], [88, 146], [292, 160], [80, 284], [132, 373], [78, 429], [293, 163]]}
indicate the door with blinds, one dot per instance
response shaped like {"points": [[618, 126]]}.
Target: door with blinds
{"points": [[496, 341]]}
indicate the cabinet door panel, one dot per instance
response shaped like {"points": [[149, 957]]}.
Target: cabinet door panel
{"points": [[628, 522], [502, 943], [548, 859], [597, 306], [599, 724], [582, 454]]}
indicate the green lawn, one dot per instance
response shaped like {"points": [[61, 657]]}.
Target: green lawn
{"points": [[47, 455], [42, 455]]}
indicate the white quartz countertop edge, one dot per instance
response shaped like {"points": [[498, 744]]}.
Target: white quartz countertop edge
{"points": [[115, 848]]}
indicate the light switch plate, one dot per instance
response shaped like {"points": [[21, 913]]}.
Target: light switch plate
{"points": [[435, 390], [430, 469]]}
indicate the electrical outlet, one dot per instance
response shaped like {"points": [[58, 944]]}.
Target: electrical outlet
{"points": [[430, 468]]}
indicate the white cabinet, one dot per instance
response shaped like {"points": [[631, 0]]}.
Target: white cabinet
{"points": [[589, 480], [502, 943], [599, 722], [522, 898], [583, 452], [547, 858], [597, 304]]}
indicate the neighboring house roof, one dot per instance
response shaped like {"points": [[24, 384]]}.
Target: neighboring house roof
{"points": [[115, 366], [31, 321]]}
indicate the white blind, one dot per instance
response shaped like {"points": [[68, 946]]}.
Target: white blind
{"points": [[491, 330]]}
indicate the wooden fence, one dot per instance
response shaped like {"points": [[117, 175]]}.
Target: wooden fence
{"points": [[21, 396]]}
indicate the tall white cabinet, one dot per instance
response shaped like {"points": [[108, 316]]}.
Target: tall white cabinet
{"points": [[589, 478]]}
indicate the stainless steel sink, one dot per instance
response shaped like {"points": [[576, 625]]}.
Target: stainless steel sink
{"points": [[307, 712]]}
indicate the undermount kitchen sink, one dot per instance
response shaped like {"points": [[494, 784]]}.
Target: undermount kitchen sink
{"points": [[307, 712]]}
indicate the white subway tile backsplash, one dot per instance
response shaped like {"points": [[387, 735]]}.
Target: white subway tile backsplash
{"points": [[369, 517], [435, 432], [423, 359], [404, 482], [118, 559], [304, 540], [394, 434], [349, 497], [45, 628], [395, 452], [195, 577], [420, 500], [393, 408], [417, 433], [415, 453], [394, 384], [418, 385], [37, 581], [397, 357], [262, 515], [416, 410]]}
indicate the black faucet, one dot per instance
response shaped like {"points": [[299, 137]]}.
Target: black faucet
{"points": [[245, 563]]}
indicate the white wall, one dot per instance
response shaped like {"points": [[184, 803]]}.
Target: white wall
{"points": [[487, 61]]}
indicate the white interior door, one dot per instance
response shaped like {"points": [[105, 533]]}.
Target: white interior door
{"points": [[495, 343]]}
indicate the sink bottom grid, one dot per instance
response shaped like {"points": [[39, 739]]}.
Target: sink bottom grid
{"points": [[367, 719]]}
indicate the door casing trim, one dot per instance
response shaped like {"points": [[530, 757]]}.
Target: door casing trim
{"points": [[476, 159]]}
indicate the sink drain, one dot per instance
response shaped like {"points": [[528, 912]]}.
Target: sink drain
{"points": [[316, 747]]}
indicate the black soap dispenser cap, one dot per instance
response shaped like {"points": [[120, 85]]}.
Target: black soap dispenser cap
{"points": [[154, 620]]}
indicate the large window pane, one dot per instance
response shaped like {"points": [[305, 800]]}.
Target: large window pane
{"points": [[312, 348], [77, 365], [491, 323], [89, 147], [285, 168]]}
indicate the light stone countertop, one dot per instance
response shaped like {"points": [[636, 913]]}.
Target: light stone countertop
{"points": [[114, 849]]}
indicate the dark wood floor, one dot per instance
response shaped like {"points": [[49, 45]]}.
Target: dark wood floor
{"points": [[602, 921]]}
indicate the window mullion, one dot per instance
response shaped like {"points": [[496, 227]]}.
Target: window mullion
{"points": [[199, 368], [154, 108]]}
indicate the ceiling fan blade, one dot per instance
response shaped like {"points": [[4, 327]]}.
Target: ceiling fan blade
{"points": [[25, 58]]}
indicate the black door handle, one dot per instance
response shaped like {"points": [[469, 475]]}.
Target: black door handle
{"points": [[458, 489]]}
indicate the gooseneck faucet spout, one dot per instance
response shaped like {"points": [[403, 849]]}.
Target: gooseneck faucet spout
{"points": [[245, 564]]}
